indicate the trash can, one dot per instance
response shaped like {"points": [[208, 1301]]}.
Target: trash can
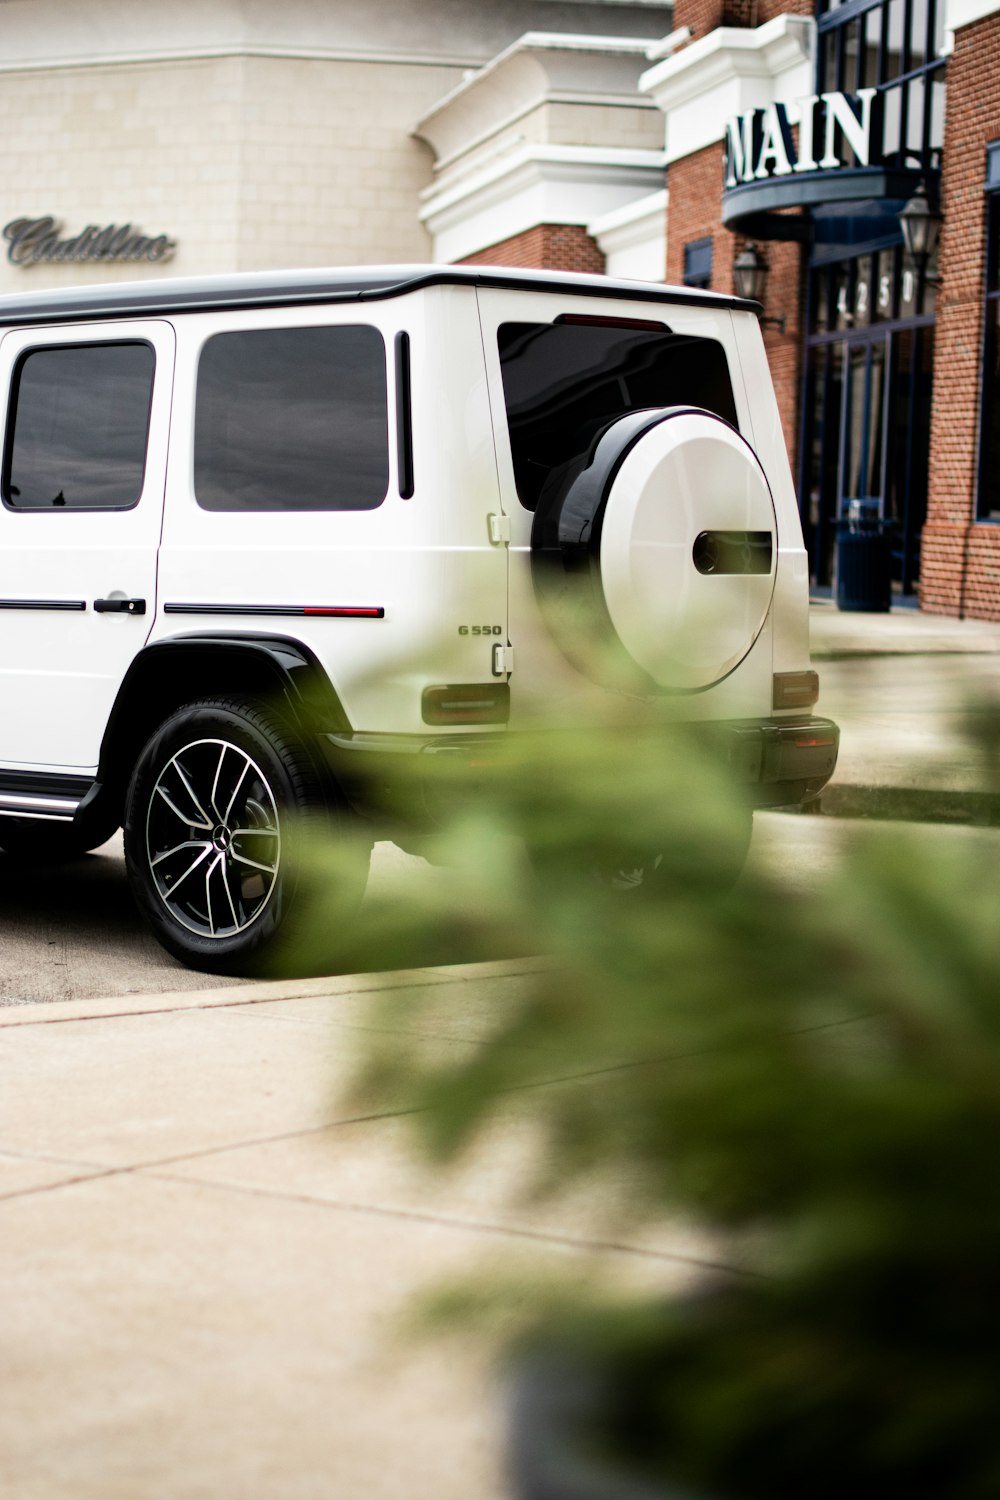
{"points": [[864, 560]]}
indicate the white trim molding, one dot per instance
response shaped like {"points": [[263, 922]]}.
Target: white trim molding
{"points": [[669, 43], [959, 13], [633, 239], [553, 130], [730, 71], [539, 68], [531, 185]]}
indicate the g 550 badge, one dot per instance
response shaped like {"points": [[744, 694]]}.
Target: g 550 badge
{"points": [[480, 630]]}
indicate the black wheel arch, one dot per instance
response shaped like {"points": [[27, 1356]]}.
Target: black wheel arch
{"points": [[169, 673]]}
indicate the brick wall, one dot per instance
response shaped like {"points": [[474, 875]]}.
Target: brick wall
{"points": [[768, 9], [960, 560], [550, 247], [784, 295], [704, 16], [695, 213]]}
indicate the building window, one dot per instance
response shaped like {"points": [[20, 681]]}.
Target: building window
{"points": [[893, 46], [698, 263], [989, 447]]}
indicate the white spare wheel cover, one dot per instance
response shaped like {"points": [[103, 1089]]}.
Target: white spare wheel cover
{"points": [[682, 538]]}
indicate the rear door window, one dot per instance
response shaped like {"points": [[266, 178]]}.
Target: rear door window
{"points": [[292, 419], [565, 382], [78, 426]]}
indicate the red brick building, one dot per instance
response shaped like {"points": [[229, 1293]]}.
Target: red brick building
{"points": [[961, 549]]}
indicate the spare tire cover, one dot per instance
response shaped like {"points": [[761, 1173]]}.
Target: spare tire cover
{"points": [[665, 542]]}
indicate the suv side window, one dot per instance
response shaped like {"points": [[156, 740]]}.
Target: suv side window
{"points": [[77, 427], [292, 419], [564, 382]]}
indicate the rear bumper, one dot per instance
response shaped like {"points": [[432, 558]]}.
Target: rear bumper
{"points": [[780, 763]]}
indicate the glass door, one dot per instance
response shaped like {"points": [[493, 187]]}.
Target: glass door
{"points": [[862, 456], [866, 442], [867, 406]]}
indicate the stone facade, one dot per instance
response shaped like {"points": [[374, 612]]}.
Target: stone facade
{"points": [[257, 136], [248, 163]]}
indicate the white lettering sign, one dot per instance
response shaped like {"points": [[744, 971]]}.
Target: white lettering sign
{"points": [[760, 144]]}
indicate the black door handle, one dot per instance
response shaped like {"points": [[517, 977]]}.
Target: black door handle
{"points": [[120, 606]]}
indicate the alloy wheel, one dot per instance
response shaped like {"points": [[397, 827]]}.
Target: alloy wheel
{"points": [[213, 843]]}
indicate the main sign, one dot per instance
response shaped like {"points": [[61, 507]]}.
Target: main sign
{"points": [[834, 130], [31, 241]]}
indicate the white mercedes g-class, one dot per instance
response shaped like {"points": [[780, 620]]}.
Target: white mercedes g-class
{"points": [[263, 534]]}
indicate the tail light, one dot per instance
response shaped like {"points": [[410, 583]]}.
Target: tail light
{"points": [[467, 703], [795, 689]]}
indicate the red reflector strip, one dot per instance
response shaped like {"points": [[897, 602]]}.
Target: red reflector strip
{"points": [[346, 611], [583, 320], [814, 742]]}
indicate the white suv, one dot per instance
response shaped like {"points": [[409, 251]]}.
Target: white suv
{"points": [[262, 536]]}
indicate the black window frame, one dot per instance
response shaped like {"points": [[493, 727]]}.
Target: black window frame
{"points": [[256, 330], [834, 23], [10, 431]]}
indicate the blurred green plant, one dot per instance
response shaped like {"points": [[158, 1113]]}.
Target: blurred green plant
{"points": [[810, 1071]]}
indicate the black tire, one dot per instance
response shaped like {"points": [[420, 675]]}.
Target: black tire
{"points": [[224, 801], [639, 872], [36, 842]]}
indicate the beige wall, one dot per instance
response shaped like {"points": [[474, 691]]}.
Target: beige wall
{"points": [[256, 133], [248, 163], [331, 174]]}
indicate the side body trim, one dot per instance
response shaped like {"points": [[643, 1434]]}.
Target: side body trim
{"points": [[62, 604], [331, 611]]}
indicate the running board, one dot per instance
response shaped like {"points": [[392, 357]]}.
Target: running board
{"points": [[42, 796]]}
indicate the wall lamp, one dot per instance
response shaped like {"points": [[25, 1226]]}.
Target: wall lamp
{"points": [[921, 225], [749, 275]]}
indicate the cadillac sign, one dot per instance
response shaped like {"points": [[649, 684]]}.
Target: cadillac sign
{"points": [[834, 130], [31, 241]]}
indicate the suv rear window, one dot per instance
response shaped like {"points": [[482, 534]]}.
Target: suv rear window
{"points": [[292, 419], [564, 382]]}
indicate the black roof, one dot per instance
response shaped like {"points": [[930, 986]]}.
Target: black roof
{"points": [[128, 299]]}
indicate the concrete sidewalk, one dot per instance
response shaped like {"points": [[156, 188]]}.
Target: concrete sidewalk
{"points": [[203, 1255], [904, 687]]}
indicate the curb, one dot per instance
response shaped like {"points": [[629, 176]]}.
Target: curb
{"points": [[910, 804], [260, 992]]}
